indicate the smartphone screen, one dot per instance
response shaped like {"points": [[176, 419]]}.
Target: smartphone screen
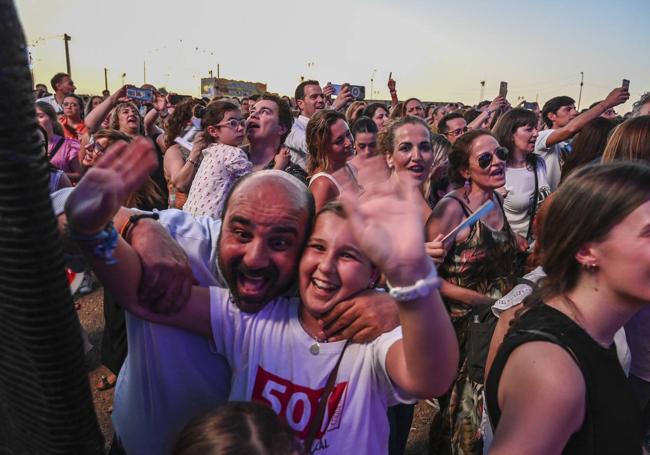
{"points": [[140, 94], [626, 84], [337, 89], [503, 89]]}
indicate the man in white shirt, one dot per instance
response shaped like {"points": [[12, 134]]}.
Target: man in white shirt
{"points": [[62, 85], [309, 98], [563, 123]]}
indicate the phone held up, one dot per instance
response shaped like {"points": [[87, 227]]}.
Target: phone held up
{"points": [[144, 95], [503, 89], [358, 92], [626, 84]]}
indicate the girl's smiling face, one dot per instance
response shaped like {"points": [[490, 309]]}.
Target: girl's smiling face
{"points": [[332, 267]]}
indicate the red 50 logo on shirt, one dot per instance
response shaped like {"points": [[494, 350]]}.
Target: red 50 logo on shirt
{"points": [[297, 404]]}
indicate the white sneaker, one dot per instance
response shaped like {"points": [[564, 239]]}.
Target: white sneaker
{"points": [[86, 284]]}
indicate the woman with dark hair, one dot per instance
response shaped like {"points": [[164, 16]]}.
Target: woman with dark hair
{"points": [[378, 112], [223, 159], [526, 181], [478, 268], [330, 146], [236, 428], [588, 145], [364, 132], [181, 164], [555, 385], [72, 119], [62, 152], [58, 178]]}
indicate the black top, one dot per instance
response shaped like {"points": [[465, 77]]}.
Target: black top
{"points": [[612, 422]]}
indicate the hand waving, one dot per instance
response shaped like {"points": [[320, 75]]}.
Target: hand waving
{"points": [[101, 192], [386, 220]]}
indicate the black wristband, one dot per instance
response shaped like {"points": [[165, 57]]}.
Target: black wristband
{"points": [[133, 220]]}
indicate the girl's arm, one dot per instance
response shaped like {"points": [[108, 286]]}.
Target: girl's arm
{"points": [[387, 223], [93, 204]]}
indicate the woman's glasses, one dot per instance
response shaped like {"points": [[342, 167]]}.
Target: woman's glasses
{"points": [[233, 123], [485, 159]]}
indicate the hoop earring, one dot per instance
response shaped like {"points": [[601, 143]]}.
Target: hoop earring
{"points": [[467, 186]]}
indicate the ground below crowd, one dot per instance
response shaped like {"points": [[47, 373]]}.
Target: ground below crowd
{"points": [[92, 319]]}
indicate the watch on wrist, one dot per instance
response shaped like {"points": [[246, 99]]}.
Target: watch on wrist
{"points": [[421, 288]]}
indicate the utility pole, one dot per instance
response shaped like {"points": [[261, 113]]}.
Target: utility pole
{"points": [[144, 72], [482, 91], [582, 82], [106, 78], [67, 38]]}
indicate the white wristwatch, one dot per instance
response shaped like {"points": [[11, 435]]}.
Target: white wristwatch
{"points": [[420, 289]]}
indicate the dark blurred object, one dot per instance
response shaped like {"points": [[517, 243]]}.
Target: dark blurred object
{"points": [[45, 400]]}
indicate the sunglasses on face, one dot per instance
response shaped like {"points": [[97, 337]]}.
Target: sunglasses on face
{"points": [[233, 123], [485, 159]]}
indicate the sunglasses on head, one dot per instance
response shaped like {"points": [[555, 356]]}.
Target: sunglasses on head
{"points": [[485, 159]]}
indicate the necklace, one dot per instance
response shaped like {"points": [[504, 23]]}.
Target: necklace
{"points": [[314, 349]]}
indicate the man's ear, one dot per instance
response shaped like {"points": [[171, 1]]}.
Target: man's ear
{"points": [[281, 130], [300, 104], [552, 116]]}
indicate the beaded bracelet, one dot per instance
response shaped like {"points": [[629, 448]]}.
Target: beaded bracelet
{"points": [[102, 244]]}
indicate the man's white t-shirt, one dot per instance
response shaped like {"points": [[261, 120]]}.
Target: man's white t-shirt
{"points": [[51, 100], [520, 187], [170, 376], [270, 356], [297, 142], [551, 156]]}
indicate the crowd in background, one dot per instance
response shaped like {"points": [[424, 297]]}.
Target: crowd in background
{"points": [[541, 342]]}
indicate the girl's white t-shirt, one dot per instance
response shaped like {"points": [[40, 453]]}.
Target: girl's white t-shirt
{"points": [[273, 362]]}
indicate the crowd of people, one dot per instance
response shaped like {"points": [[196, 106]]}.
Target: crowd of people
{"points": [[288, 275]]}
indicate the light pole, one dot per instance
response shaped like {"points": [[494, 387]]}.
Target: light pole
{"points": [[482, 91], [582, 82], [67, 38], [106, 78]]}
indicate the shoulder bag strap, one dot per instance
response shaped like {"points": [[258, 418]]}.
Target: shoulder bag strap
{"points": [[56, 147], [322, 403]]}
